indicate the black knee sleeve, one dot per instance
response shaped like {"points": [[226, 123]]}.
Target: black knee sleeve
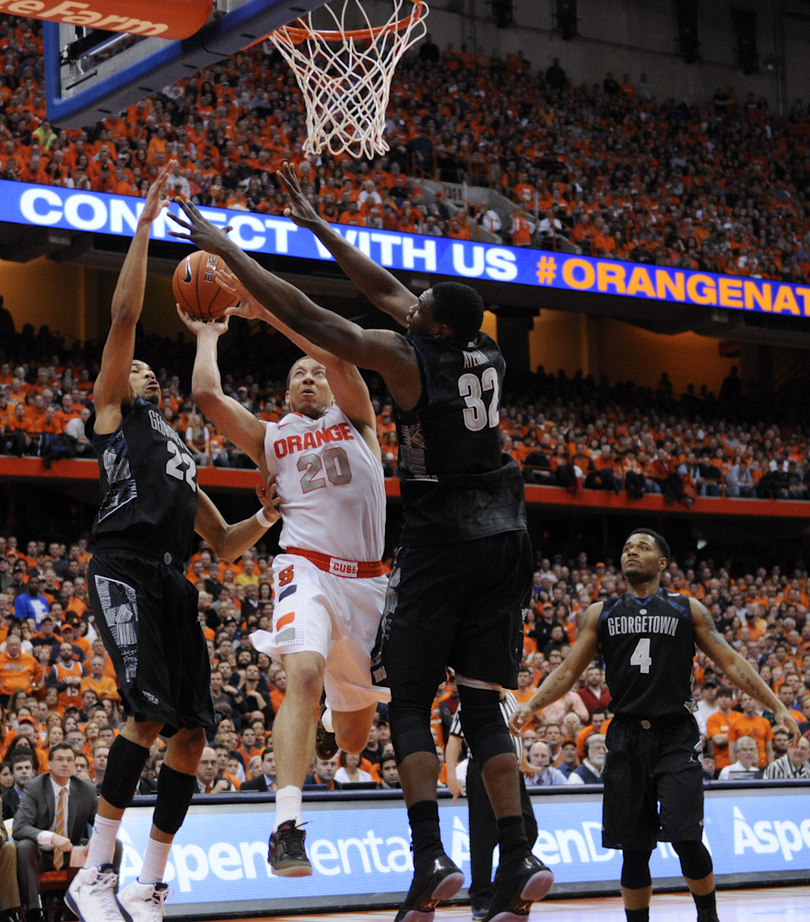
{"points": [[696, 862], [636, 870], [483, 724], [410, 728], [124, 766], [174, 794]]}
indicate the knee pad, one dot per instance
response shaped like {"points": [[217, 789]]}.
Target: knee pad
{"points": [[483, 724], [696, 862], [174, 794], [124, 766], [410, 729], [636, 870]]}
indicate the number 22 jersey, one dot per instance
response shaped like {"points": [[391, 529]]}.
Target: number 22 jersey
{"points": [[331, 486], [148, 482]]}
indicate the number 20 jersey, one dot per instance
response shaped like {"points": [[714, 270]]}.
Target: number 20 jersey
{"points": [[331, 486], [648, 646], [148, 482], [457, 485]]}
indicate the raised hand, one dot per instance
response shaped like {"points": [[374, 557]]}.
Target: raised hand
{"points": [[301, 212], [200, 231], [202, 326], [269, 498], [154, 201], [248, 307]]}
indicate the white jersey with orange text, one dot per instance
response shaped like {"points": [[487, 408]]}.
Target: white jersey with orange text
{"points": [[331, 486]]}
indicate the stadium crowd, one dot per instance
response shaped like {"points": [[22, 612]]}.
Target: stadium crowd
{"points": [[57, 683], [572, 432], [611, 167]]}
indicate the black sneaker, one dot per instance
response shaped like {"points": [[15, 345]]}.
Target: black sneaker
{"points": [[439, 881], [479, 913], [707, 915], [517, 887], [287, 856], [326, 746]]}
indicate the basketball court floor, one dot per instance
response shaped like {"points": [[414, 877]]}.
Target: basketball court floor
{"points": [[780, 904]]}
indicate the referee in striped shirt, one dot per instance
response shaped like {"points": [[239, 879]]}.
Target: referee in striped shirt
{"points": [[482, 823], [794, 764]]}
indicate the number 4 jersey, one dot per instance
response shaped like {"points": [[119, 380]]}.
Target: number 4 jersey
{"points": [[457, 484], [148, 483], [331, 486], [648, 646]]}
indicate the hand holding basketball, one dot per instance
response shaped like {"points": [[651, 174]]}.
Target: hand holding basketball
{"points": [[197, 327], [248, 307]]}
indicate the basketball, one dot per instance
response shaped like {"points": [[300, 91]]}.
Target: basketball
{"points": [[195, 287]]}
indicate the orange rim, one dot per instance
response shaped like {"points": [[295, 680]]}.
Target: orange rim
{"points": [[298, 36]]}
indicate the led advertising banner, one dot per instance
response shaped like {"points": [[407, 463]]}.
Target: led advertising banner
{"points": [[360, 849], [53, 206]]}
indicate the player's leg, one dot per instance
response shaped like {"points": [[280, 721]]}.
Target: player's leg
{"points": [[143, 900], [636, 884], [294, 745], [415, 635], [680, 792], [353, 727]]}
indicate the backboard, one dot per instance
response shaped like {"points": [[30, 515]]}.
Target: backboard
{"points": [[90, 74]]}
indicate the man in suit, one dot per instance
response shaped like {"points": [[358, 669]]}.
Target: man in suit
{"points": [[9, 890], [22, 769], [46, 832], [266, 780]]}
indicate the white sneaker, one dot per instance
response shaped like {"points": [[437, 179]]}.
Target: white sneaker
{"points": [[143, 902], [91, 895]]}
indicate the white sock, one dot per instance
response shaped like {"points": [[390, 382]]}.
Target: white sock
{"points": [[288, 805], [154, 862], [326, 721], [101, 848]]}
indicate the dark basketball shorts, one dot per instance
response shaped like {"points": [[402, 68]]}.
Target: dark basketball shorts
{"points": [[648, 767], [458, 605], [146, 614]]}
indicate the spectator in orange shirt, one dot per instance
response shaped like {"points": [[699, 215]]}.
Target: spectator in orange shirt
{"points": [[749, 723]]}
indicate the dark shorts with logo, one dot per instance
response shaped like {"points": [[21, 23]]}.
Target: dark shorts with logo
{"points": [[146, 614], [645, 767], [460, 606]]}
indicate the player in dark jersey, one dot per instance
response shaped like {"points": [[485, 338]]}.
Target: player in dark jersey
{"points": [[464, 564], [145, 609], [647, 639]]}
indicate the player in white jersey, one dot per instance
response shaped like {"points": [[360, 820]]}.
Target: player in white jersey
{"points": [[329, 585]]}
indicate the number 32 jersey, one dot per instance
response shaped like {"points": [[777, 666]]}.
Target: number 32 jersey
{"points": [[148, 482], [331, 486], [456, 483], [648, 646]]}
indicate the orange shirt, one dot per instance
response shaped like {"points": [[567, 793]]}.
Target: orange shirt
{"points": [[720, 723], [758, 728]]}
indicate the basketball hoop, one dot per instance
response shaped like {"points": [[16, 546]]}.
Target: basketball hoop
{"points": [[345, 74]]}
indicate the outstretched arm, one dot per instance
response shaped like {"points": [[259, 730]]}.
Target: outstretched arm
{"points": [[231, 541], [380, 350], [376, 283], [562, 679], [112, 388], [228, 415], [346, 382], [739, 671]]}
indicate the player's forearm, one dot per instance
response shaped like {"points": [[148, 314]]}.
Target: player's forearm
{"points": [[377, 284], [742, 674], [292, 307], [206, 384], [127, 302], [235, 539], [555, 685]]}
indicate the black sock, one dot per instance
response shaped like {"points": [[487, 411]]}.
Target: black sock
{"points": [[512, 842], [709, 901], [638, 915], [427, 842]]}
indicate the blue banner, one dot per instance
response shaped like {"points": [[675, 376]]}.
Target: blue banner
{"points": [[361, 849], [94, 212]]}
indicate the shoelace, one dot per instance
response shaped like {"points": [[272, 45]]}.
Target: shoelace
{"points": [[103, 887]]}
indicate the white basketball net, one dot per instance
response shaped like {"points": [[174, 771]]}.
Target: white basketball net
{"points": [[346, 80]]}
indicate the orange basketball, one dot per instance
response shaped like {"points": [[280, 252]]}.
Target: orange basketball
{"points": [[195, 287]]}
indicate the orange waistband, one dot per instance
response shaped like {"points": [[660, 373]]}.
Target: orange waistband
{"points": [[349, 569]]}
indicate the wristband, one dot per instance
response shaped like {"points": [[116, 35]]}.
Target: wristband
{"points": [[262, 519]]}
